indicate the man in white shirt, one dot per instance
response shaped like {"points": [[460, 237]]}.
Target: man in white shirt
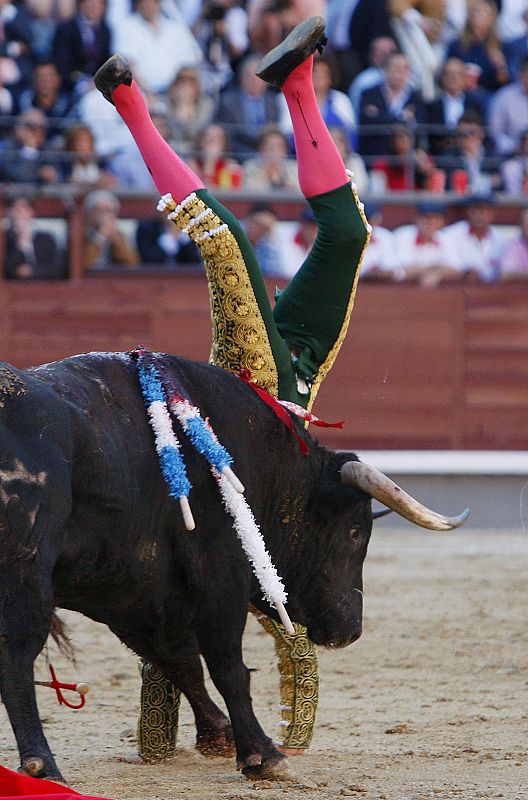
{"points": [[381, 259], [475, 245], [155, 46], [110, 133], [511, 19], [425, 255], [296, 241]]}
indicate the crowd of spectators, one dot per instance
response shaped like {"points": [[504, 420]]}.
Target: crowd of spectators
{"points": [[427, 251], [419, 95]]}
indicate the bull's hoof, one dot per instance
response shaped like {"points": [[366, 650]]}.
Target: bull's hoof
{"points": [[270, 769], [32, 766], [217, 743], [35, 767]]}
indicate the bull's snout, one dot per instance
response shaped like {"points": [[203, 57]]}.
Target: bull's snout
{"points": [[341, 627], [351, 637], [334, 639]]}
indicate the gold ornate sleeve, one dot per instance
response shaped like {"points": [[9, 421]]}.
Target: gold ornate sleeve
{"points": [[240, 337]]}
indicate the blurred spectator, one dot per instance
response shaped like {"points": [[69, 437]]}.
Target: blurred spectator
{"points": [[155, 46], [81, 166], [373, 75], [128, 166], [223, 36], [508, 116], [418, 26], [271, 168], [22, 155], [511, 19], [515, 169], [472, 156], [269, 21], [351, 160], [104, 244], [517, 49], [189, 109], [212, 161], [479, 46], [42, 27], [29, 253], [452, 102], [82, 44], [335, 106], [380, 260], [7, 103], [352, 26], [159, 241], [456, 16], [425, 256], [514, 261], [394, 100], [15, 42], [46, 94], [110, 133], [474, 243], [261, 229], [298, 241], [245, 109], [338, 19], [405, 168]]}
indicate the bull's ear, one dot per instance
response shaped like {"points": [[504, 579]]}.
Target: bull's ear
{"points": [[373, 482]]}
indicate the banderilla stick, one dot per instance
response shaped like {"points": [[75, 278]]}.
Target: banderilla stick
{"points": [[54, 683]]}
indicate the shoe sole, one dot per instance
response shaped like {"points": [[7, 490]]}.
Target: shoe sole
{"points": [[107, 78], [304, 40]]}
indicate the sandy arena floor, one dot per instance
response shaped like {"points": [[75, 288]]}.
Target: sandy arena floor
{"points": [[430, 703]]}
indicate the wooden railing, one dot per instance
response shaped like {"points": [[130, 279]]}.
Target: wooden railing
{"points": [[443, 368]]}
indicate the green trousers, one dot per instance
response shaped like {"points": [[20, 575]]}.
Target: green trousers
{"points": [[310, 319]]}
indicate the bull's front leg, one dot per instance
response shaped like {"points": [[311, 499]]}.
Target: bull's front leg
{"points": [[257, 756], [23, 632]]}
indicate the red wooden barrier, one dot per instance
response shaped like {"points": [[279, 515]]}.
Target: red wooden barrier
{"points": [[444, 368]]}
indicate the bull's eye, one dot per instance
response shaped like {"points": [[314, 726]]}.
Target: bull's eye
{"points": [[353, 534]]}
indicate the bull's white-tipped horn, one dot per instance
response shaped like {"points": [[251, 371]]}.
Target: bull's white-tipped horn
{"points": [[373, 482]]}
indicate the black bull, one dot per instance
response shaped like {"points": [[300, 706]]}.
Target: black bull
{"points": [[86, 524]]}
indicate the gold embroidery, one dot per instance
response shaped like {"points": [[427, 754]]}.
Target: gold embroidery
{"points": [[240, 338], [299, 682], [159, 713]]}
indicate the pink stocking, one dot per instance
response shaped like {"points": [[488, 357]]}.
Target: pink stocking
{"points": [[319, 163], [168, 171]]}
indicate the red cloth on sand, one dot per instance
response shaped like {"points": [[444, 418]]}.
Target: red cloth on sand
{"points": [[13, 785]]}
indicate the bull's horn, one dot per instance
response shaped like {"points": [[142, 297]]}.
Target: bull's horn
{"points": [[373, 482]]}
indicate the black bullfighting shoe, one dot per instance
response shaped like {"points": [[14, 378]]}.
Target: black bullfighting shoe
{"points": [[307, 37], [112, 74]]}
